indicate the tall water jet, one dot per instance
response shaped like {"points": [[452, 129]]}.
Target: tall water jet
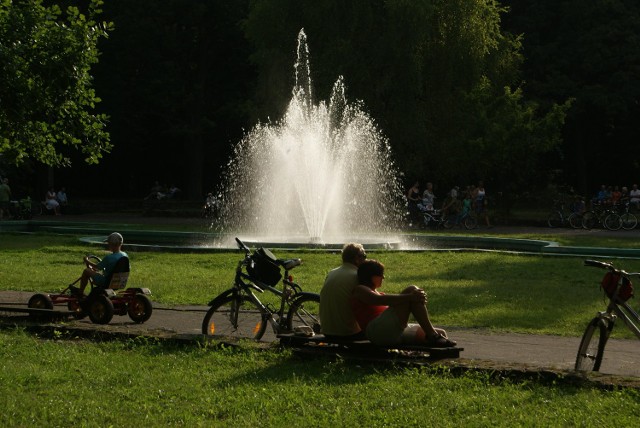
{"points": [[323, 173]]}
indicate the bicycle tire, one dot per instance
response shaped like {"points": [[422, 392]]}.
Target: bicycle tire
{"points": [[589, 220], [449, 222], [470, 222], [575, 220], [613, 221], [249, 321], [629, 221], [555, 219], [305, 311], [592, 346]]}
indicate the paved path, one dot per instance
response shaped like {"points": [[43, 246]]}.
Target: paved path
{"points": [[481, 347]]}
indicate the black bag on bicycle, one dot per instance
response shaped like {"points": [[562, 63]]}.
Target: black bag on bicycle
{"points": [[264, 267]]}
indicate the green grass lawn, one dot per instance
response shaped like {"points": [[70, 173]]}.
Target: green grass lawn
{"points": [[498, 291], [136, 383], [66, 380]]}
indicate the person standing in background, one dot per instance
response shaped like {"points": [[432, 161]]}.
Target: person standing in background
{"points": [[5, 197]]}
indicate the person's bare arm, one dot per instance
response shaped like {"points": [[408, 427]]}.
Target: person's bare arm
{"points": [[369, 297]]}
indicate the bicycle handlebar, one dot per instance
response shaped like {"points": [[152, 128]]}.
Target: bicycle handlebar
{"points": [[242, 246], [609, 266], [596, 263]]}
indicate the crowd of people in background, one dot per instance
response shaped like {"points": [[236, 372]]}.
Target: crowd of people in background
{"points": [[160, 192], [616, 195], [457, 202], [11, 206]]}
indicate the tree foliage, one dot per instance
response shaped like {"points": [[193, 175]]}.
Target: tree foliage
{"points": [[47, 100], [589, 52], [440, 76]]}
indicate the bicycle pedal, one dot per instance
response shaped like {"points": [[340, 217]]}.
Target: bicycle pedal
{"points": [[303, 330]]}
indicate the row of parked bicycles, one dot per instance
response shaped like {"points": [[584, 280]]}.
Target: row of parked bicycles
{"points": [[611, 217]]}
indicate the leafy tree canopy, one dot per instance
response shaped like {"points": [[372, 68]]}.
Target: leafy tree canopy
{"points": [[46, 94]]}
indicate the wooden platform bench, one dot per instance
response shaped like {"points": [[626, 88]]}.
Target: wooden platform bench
{"points": [[364, 349]]}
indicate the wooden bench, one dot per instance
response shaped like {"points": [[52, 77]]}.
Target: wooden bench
{"points": [[363, 348]]}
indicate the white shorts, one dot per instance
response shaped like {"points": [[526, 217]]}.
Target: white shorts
{"points": [[386, 330]]}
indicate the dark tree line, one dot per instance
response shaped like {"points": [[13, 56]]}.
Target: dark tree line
{"points": [[589, 52], [464, 89]]}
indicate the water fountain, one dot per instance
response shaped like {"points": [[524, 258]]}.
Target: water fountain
{"points": [[322, 174]]}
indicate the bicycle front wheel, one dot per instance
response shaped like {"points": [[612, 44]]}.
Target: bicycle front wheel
{"points": [[305, 311], [592, 346], [236, 317], [589, 220], [470, 222], [555, 219], [629, 221]]}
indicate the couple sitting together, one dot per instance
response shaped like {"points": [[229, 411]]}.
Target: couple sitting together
{"points": [[351, 307]]}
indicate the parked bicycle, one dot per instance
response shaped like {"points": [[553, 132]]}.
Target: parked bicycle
{"points": [[561, 216], [621, 217], [237, 312], [629, 219], [600, 215], [23, 209], [618, 288], [436, 219]]}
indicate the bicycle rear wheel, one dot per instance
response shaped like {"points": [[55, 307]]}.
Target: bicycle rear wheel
{"points": [[629, 221], [575, 220], [592, 346], [236, 317], [555, 219], [305, 311], [613, 221]]}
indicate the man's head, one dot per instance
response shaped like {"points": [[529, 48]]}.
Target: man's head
{"points": [[353, 253], [115, 240]]}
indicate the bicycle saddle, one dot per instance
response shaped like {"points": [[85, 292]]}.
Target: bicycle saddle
{"points": [[291, 263]]}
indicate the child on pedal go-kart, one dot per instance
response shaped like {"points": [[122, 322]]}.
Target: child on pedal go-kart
{"points": [[99, 272]]}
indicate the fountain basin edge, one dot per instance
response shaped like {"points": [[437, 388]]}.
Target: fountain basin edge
{"points": [[174, 241]]}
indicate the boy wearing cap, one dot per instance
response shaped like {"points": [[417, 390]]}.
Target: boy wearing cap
{"points": [[100, 271]]}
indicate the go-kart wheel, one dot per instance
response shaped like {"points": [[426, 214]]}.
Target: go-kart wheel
{"points": [[100, 309], [39, 301], [75, 307], [140, 308]]}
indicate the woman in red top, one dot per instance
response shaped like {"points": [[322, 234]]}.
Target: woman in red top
{"points": [[384, 317]]}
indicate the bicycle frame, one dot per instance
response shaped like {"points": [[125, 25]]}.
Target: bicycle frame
{"points": [[290, 291], [622, 310]]}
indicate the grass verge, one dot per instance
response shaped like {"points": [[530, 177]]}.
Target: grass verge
{"points": [[502, 292], [147, 383]]}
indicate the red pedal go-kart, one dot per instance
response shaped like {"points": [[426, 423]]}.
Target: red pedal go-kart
{"points": [[101, 304]]}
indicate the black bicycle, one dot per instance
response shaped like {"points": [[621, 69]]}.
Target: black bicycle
{"points": [[561, 216], [237, 312]]}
